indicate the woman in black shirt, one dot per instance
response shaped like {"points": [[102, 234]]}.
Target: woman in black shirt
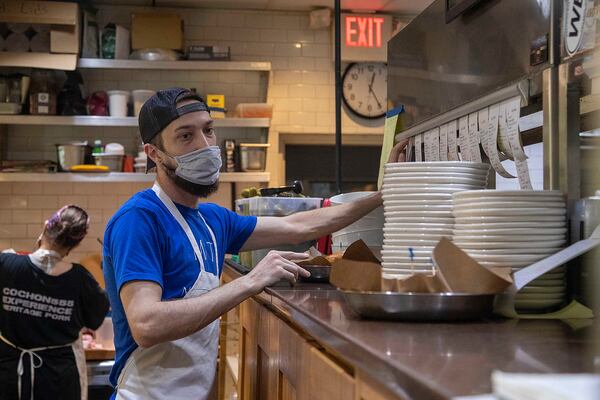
{"points": [[45, 304]]}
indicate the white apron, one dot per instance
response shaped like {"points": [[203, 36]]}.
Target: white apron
{"points": [[184, 368], [35, 362]]}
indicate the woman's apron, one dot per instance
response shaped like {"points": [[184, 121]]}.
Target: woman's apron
{"points": [[184, 368], [36, 361]]}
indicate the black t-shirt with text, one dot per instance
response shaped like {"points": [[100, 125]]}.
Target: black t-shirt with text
{"points": [[39, 310]]}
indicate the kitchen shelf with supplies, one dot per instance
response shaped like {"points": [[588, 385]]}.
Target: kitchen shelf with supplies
{"points": [[225, 177], [175, 65], [87, 120]]}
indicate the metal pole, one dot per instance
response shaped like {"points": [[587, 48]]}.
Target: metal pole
{"points": [[338, 98]]}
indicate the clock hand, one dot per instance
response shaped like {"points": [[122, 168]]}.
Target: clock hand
{"points": [[375, 96], [372, 80]]}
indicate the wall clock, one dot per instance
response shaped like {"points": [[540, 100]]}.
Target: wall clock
{"points": [[365, 89]]}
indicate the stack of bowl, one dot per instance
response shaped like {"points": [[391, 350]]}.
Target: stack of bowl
{"points": [[515, 228], [417, 201]]}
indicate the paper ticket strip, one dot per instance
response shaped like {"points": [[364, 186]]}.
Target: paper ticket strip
{"points": [[452, 143], [463, 138], [473, 138], [444, 142], [495, 127], [418, 152], [489, 139]]}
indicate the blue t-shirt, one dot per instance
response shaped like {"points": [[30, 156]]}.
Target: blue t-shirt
{"points": [[143, 241]]}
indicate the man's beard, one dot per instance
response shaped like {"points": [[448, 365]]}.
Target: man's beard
{"points": [[190, 187]]}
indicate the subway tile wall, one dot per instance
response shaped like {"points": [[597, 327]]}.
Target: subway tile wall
{"points": [[300, 87]]}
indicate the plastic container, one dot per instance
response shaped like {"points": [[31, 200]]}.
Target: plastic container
{"points": [[276, 206], [254, 110], [117, 103], [71, 154], [113, 161], [253, 156], [369, 228], [139, 98]]}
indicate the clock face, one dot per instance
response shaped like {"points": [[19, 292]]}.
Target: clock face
{"points": [[365, 89]]}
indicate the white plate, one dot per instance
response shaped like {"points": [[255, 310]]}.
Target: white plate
{"points": [[416, 202], [540, 296], [387, 180], [414, 213], [420, 226], [511, 193], [417, 207], [403, 272], [405, 265], [417, 196], [404, 248], [536, 304], [429, 231], [418, 220], [406, 259], [514, 265], [508, 231], [517, 219], [415, 244], [398, 192], [524, 239], [530, 258], [434, 164], [543, 290], [508, 212], [505, 244], [507, 204], [511, 225], [425, 176], [390, 252], [490, 250]]}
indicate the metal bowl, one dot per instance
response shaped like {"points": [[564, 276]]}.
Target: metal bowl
{"points": [[420, 306], [318, 273]]}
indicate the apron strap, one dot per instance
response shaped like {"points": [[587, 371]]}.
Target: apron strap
{"points": [[35, 361], [166, 200]]}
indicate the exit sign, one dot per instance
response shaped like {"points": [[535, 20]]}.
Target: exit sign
{"points": [[365, 36]]}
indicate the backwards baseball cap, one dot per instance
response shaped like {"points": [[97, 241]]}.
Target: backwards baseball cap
{"points": [[161, 109]]}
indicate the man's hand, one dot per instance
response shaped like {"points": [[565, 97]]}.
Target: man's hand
{"points": [[275, 266], [398, 153]]}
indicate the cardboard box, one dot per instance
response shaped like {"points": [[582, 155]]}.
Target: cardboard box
{"points": [[64, 33], [156, 30]]}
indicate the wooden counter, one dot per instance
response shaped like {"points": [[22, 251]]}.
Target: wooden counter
{"points": [[305, 343]]}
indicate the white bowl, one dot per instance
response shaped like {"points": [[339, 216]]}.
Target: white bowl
{"points": [[415, 213], [401, 190], [542, 290]]}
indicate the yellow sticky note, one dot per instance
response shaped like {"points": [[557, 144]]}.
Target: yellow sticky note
{"points": [[391, 128]]}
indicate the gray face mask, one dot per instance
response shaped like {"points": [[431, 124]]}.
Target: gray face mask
{"points": [[200, 166]]}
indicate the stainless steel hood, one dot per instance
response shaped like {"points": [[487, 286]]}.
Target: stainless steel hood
{"points": [[435, 66]]}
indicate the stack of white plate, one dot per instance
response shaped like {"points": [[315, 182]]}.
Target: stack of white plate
{"points": [[515, 228], [417, 202]]}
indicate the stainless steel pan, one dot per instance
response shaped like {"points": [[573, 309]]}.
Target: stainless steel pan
{"points": [[459, 306]]}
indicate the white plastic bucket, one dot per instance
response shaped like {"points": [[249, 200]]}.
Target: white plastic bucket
{"points": [[369, 228], [139, 98], [117, 102]]}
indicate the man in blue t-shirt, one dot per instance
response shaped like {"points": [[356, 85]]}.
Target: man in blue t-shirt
{"points": [[163, 255]]}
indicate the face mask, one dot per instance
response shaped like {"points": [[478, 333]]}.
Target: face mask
{"points": [[45, 259], [201, 166]]}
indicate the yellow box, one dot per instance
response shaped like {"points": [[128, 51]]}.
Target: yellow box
{"points": [[215, 100]]}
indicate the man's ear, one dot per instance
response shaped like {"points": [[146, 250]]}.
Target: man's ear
{"points": [[153, 153]]}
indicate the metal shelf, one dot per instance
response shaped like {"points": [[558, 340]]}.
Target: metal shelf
{"points": [[225, 177], [175, 65], [86, 120]]}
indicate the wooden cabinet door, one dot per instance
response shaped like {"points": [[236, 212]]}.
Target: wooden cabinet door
{"points": [[323, 378], [249, 318], [366, 389]]}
